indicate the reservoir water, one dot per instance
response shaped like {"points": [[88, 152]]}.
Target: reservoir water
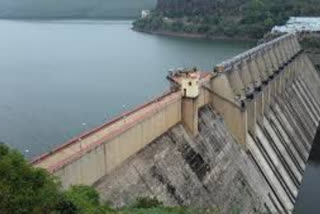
{"points": [[59, 78]]}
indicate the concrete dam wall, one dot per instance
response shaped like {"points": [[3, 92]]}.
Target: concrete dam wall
{"points": [[237, 138]]}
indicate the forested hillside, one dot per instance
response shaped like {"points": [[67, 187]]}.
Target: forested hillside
{"points": [[77, 9], [227, 18]]}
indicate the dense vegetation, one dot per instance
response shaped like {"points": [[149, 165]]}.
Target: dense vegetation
{"points": [[24, 189], [229, 18], [311, 43]]}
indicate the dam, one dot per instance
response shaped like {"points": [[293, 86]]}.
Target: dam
{"points": [[236, 138]]}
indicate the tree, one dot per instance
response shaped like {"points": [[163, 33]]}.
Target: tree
{"points": [[24, 189], [86, 200], [245, 18]]}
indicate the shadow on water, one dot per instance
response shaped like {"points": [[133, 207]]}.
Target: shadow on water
{"points": [[315, 152], [308, 199]]}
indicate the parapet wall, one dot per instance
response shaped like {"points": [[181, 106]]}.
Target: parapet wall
{"points": [[246, 85], [87, 158], [269, 99], [247, 150], [250, 92]]}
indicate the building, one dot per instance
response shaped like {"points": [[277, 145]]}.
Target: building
{"points": [[295, 24], [188, 81], [145, 13]]}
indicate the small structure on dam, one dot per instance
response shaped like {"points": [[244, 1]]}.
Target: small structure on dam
{"points": [[237, 138], [187, 81]]}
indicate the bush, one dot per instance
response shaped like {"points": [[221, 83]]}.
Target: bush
{"points": [[85, 200], [25, 189], [147, 203], [203, 28], [311, 42]]}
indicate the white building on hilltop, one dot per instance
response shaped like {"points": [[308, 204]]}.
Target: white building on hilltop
{"points": [[295, 24], [145, 13]]}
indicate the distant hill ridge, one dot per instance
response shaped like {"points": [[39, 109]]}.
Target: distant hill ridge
{"points": [[38, 9]]}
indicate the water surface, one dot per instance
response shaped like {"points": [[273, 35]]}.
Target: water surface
{"points": [[308, 199], [59, 78]]}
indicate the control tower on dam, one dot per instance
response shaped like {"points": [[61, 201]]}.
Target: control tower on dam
{"points": [[238, 137]]}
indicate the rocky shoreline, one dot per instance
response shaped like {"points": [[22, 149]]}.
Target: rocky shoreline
{"points": [[192, 35]]}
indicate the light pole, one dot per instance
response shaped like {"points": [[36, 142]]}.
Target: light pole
{"points": [[80, 139], [80, 143], [124, 108]]}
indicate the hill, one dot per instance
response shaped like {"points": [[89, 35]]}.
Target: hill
{"points": [[248, 19], [75, 9]]}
